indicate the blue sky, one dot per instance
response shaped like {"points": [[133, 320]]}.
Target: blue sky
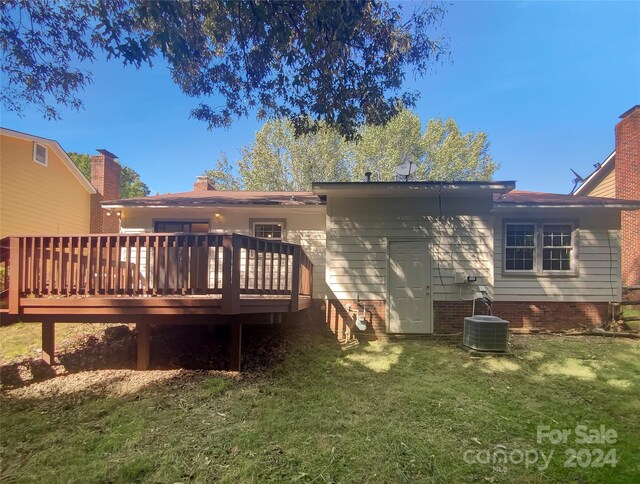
{"points": [[547, 82]]}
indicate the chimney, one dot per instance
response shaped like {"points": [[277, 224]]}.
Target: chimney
{"points": [[202, 184], [627, 166], [367, 176], [105, 177]]}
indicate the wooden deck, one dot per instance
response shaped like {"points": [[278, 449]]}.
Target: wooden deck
{"points": [[151, 278]]}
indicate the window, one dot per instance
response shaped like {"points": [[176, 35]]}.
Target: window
{"points": [[40, 154], [540, 248], [556, 247], [180, 227], [268, 230], [520, 247]]}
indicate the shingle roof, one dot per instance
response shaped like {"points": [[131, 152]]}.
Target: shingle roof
{"points": [[517, 198], [217, 198]]}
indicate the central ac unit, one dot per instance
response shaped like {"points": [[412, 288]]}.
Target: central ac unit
{"points": [[486, 333]]}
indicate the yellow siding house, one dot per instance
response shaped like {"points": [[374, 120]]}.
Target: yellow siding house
{"points": [[41, 189]]}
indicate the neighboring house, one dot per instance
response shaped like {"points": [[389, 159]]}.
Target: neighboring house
{"points": [[411, 257], [619, 177], [43, 192]]}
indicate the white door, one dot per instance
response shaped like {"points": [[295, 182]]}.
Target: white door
{"points": [[409, 287]]}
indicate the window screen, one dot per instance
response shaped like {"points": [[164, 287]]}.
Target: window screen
{"points": [[520, 247], [556, 247]]}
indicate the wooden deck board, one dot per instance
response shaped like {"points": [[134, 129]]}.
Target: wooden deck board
{"points": [[186, 308]]}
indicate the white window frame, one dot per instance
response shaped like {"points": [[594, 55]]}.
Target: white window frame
{"points": [[269, 221], [533, 270], [572, 249], [46, 154], [538, 249]]}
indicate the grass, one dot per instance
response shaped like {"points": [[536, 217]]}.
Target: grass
{"points": [[24, 339], [629, 312], [380, 412]]}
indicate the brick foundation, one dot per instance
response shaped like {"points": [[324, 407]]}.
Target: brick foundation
{"points": [[448, 316], [342, 322]]}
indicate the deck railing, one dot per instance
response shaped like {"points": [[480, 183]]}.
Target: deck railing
{"points": [[153, 265]]}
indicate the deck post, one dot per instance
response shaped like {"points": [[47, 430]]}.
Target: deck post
{"points": [[235, 274], [48, 342], [227, 254], [14, 275], [235, 346], [295, 279], [143, 339]]}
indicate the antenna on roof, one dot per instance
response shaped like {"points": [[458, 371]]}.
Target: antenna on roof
{"points": [[576, 181], [405, 170]]}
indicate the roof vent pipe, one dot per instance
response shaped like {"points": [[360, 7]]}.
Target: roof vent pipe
{"points": [[367, 175]]}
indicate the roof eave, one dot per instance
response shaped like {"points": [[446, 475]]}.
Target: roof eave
{"points": [[413, 188], [118, 206], [594, 175], [617, 206]]}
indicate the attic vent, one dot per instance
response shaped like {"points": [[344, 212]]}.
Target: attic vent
{"points": [[40, 154]]}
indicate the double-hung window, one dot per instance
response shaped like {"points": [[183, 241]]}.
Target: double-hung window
{"points": [[557, 247], [540, 248], [520, 247]]}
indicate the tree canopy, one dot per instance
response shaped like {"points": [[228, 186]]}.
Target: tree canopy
{"points": [[278, 160], [339, 62], [131, 186]]}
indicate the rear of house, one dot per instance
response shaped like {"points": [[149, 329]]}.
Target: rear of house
{"points": [[417, 257]]}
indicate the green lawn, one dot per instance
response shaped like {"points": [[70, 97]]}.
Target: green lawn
{"points": [[24, 339], [405, 411], [632, 312]]}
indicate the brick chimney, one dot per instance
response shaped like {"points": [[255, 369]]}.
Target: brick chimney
{"points": [[202, 184], [628, 187], [105, 177]]}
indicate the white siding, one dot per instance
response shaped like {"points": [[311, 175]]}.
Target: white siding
{"points": [[358, 231], [304, 226], [598, 257]]}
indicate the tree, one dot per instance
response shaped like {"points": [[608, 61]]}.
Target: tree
{"points": [[340, 62], [441, 152], [278, 160], [131, 186], [452, 155], [222, 176], [381, 148]]}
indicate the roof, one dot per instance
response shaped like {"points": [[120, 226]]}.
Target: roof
{"points": [[522, 198], [412, 188], [57, 149], [503, 195], [209, 198], [602, 169]]}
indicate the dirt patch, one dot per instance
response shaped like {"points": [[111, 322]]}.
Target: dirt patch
{"points": [[173, 347], [112, 383]]}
